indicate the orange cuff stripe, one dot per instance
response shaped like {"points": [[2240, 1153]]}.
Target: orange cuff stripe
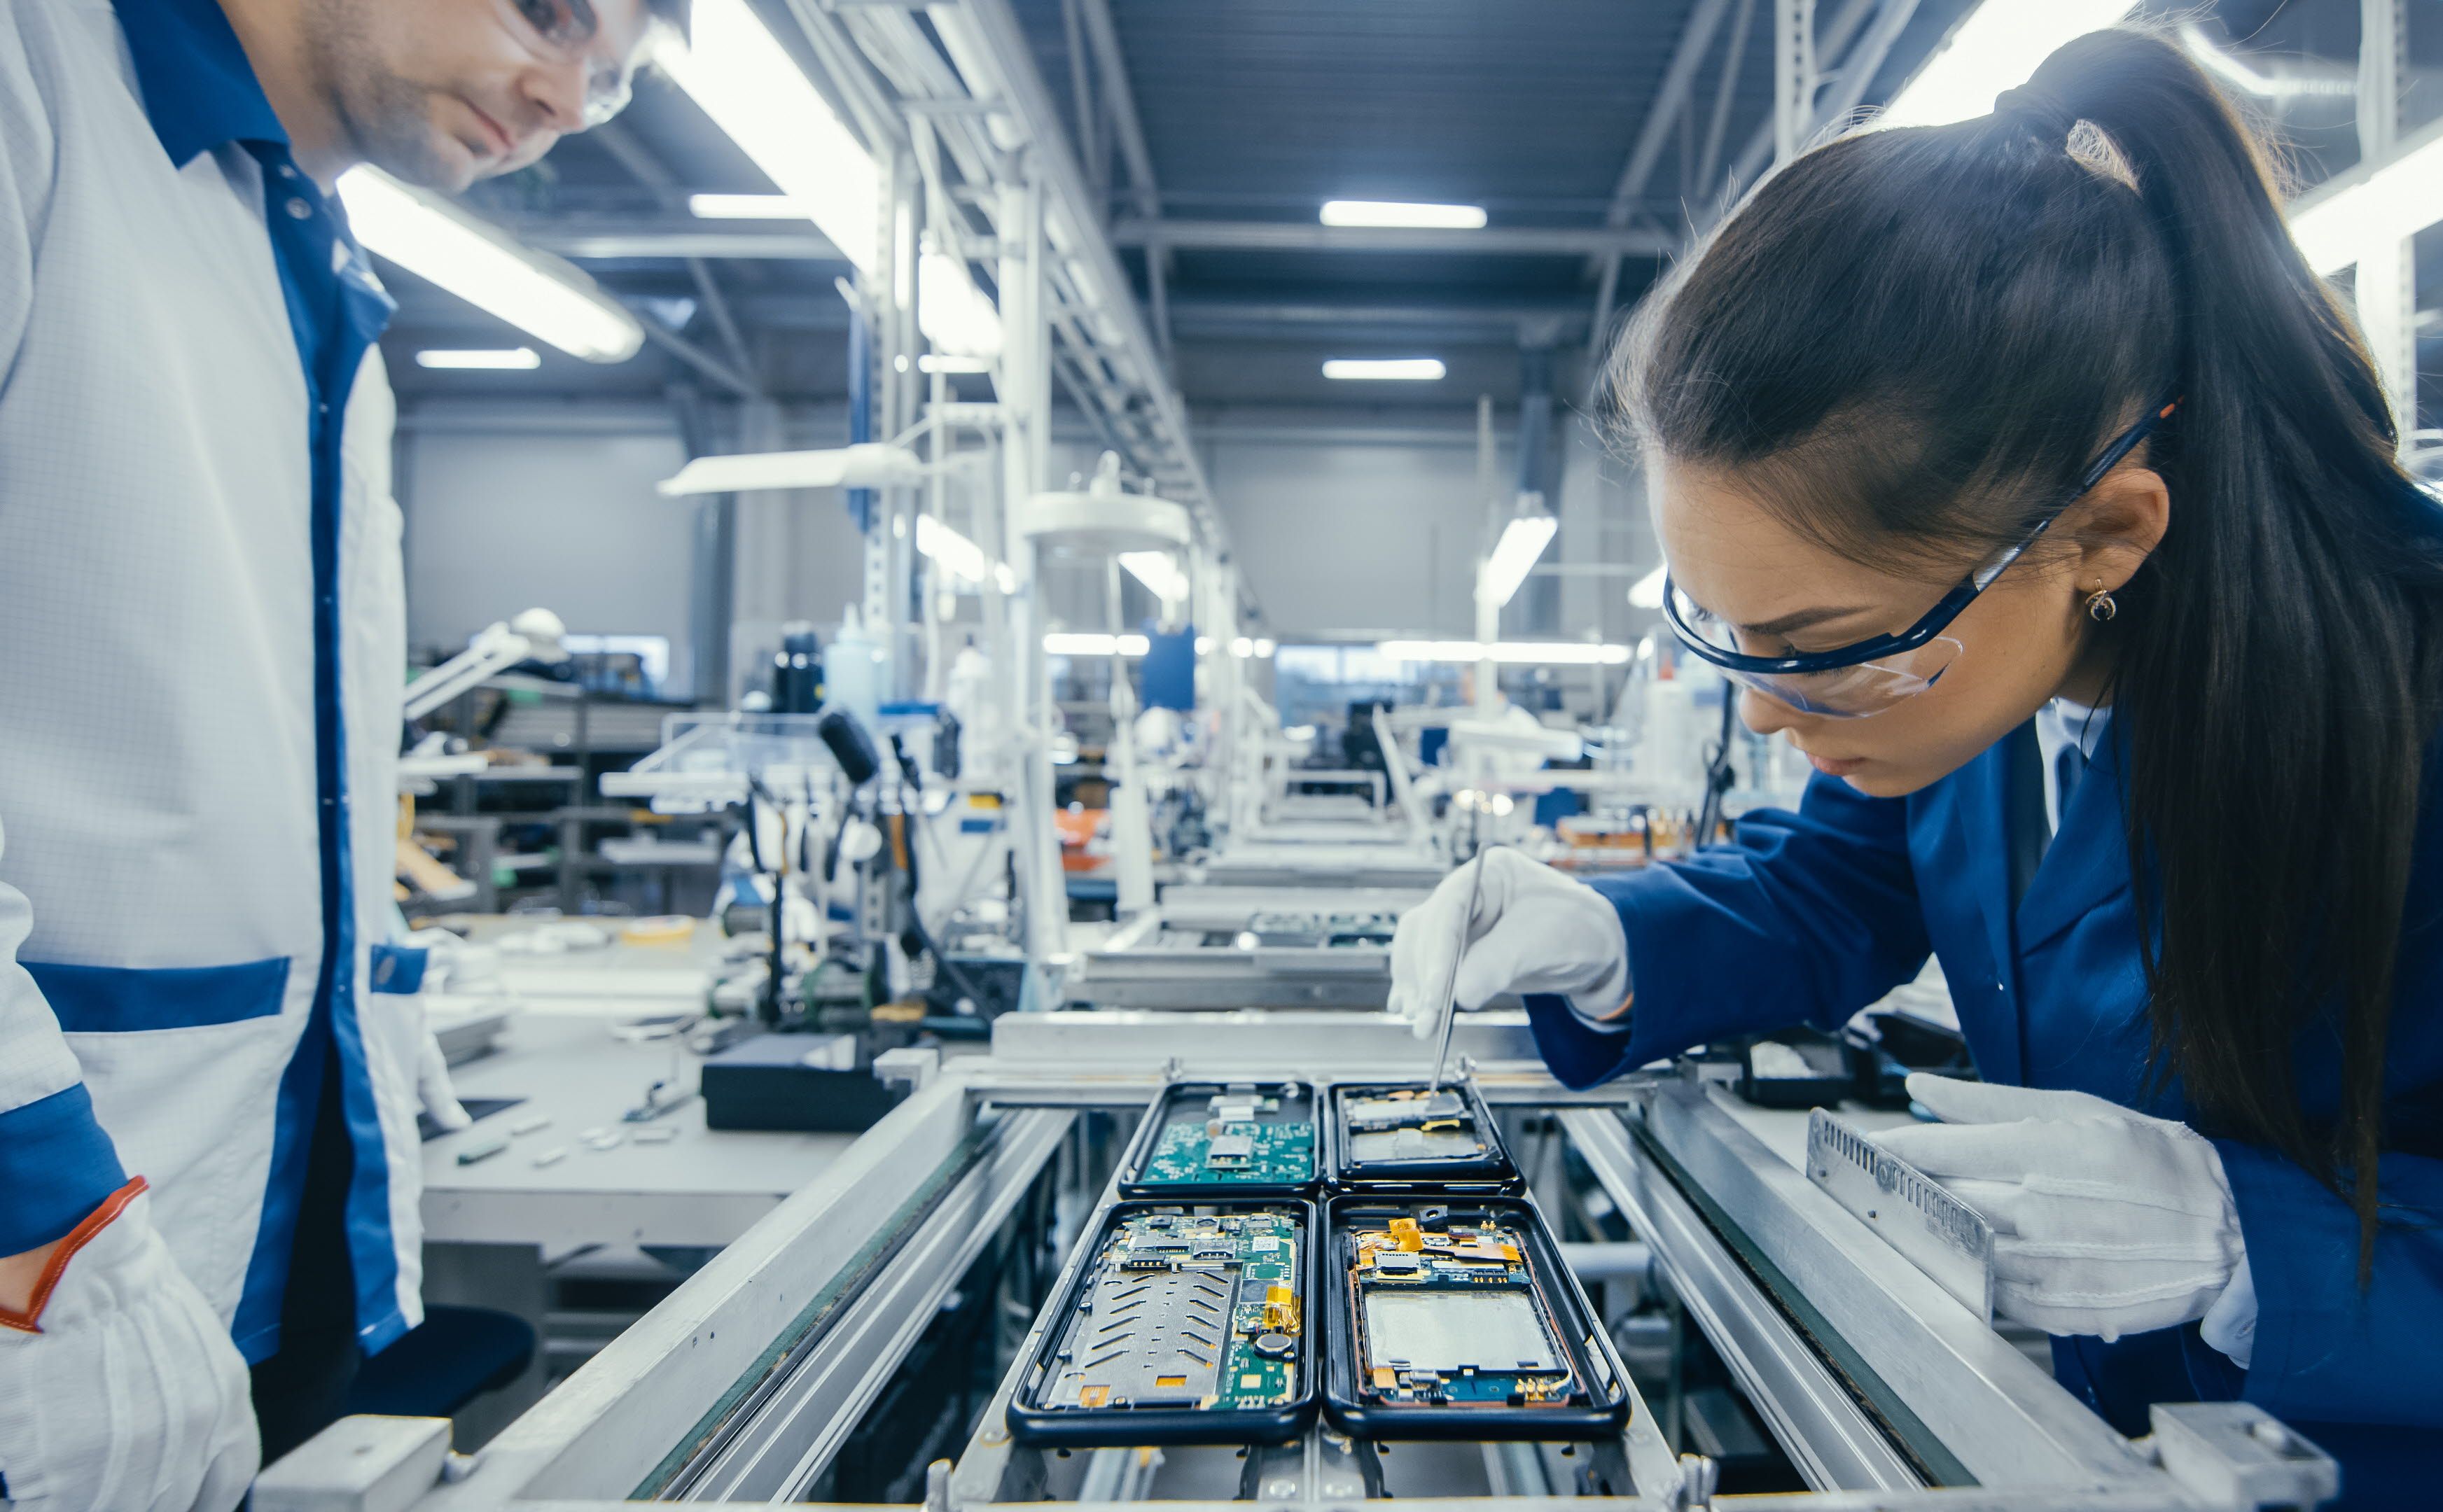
{"points": [[78, 1237]]}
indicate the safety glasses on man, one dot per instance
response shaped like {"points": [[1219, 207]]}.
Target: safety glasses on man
{"points": [[1867, 677]]}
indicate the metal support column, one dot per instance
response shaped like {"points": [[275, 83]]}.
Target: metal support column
{"points": [[1794, 77], [2387, 270], [1026, 397]]}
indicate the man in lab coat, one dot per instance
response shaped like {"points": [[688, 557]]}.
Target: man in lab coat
{"points": [[208, 1143]]}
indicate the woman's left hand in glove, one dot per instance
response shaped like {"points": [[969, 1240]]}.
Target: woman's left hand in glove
{"points": [[2105, 1221]]}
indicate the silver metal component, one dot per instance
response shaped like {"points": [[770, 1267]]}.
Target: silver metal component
{"points": [[1950, 1385], [1934, 1231], [1158, 960], [2235, 1455], [1698, 1477], [358, 1465], [908, 1067], [1823, 1428], [785, 1435], [1245, 1044]]}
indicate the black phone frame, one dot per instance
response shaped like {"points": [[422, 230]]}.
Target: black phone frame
{"points": [[1575, 1318], [1157, 1117], [1128, 1426], [1489, 1175]]}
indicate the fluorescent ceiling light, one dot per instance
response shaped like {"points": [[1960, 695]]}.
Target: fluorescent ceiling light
{"points": [[2339, 220], [930, 363], [1241, 647], [956, 316], [745, 208], [1996, 47], [1159, 571], [1395, 370], [539, 294], [1395, 212], [868, 465], [1517, 654], [1264, 648], [958, 555], [1646, 592], [733, 68], [1088, 643], [2232, 68], [505, 359], [1522, 541]]}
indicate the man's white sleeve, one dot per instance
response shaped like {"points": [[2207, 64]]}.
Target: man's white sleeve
{"points": [[56, 1163]]}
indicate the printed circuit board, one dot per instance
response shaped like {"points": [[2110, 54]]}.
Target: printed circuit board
{"points": [[1180, 1309], [1446, 1312], [1243, 1136]]}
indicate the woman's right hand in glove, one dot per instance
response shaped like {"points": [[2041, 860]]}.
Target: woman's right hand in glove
{"points": [[1532, 930]]}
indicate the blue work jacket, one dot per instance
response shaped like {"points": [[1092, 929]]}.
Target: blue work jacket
{"points": [[1808, 917]]}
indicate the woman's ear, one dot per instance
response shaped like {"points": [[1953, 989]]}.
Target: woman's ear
{"points": [[2122, 521]]}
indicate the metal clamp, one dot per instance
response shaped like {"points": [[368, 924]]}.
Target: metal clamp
{"points": [[1693, 1489], [2237, 1455]]}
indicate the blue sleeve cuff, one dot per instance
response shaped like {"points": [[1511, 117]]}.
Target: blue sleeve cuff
{"points": [[56, 1166]]}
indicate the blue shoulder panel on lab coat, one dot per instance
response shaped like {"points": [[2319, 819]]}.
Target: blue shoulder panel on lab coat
{"points": [[1813, 915]]}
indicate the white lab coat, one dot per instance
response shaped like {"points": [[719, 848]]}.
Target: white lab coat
{"points": [[159, 873]]}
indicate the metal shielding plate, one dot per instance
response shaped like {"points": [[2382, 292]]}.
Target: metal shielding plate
{"points": [[1934, 1231], [1484, 1329], [1148, 1339], [1378, 1145]]}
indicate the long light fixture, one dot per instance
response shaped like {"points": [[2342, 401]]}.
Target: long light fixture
{"points": [[745, 208], [496, 360], [545, 296], [2233, 69], [741, 76], [1159, 571], [1377, 212], [959, 556], [2336, 222], [959, 319], [1996, 46], [1522, 541], [1384, 370], [1093, 643], [1515, 653], [865, 465], [1646, 592]]}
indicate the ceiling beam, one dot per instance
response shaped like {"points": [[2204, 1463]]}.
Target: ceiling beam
{"points": [[1670, 98], [1856, 74], [1121, 101], [1298, 236]]}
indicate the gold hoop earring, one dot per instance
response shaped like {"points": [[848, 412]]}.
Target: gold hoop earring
{"points": [[2099, 605]]}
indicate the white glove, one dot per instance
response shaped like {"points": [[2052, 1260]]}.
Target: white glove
{"points": [[2106, 1222], [432, 1086], [127, 1394], [1534, 931]]}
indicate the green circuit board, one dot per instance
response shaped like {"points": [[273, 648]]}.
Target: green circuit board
{"points": [[1195, 1310], [1241, 1136], [1194, 1152]]}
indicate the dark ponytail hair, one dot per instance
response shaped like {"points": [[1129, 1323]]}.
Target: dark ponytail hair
{"points": [[1912, 339]]}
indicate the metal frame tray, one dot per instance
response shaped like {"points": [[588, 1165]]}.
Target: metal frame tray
{"points": [[1490, 1175], [1589, 1353]]}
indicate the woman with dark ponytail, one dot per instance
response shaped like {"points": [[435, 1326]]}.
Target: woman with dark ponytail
{"points": [[2023, 474]]}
